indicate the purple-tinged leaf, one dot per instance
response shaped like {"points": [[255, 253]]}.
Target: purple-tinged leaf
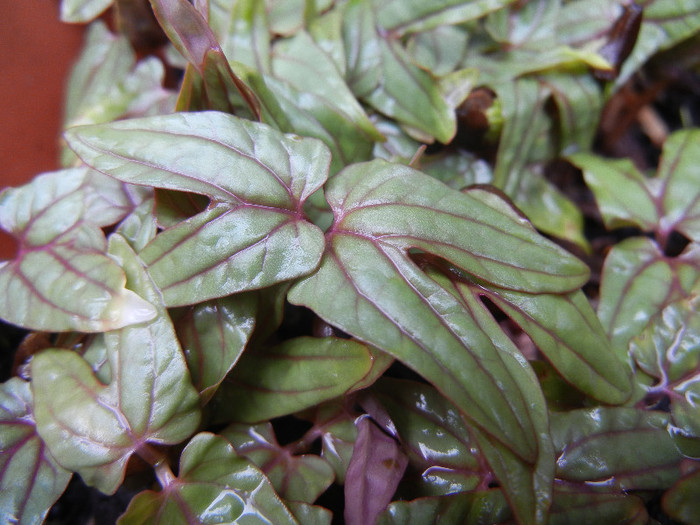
{"points": [[576, 504], [173, 207], [93, 428], [301, 478], [376, 467], [669, 347], [290, 377], [107, 83], [668, 202], [615, 448], [401, 17], [82, 11], [301, 62], [381, 72], [681, 501], [254, 233], [568, 333], [213, 336], [310, 514], [243, 30], [214, 485], [61, 278], [191, 35], [433, 434], [638, 283], [30, 479], [335, 425]]}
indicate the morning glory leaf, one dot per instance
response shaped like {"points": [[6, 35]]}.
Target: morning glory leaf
{"points": [[663, 203], [301, 478], [381, 73], [290, 377], [214, 485], [432, 433], [254, 233], [81, 11], [375, 470], [61, 278], [568, 333], [242, 29], [623, 448], [368, 286], [301, 62], [213, 336], [30, 479], [638, 282], [93, 428], [414, 15], [107, 83], [681, 502]]}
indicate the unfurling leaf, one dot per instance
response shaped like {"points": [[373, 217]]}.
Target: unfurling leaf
{"points": [[93, 428], [253, 234]]}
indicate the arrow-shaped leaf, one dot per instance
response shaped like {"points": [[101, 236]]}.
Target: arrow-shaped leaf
{"points": [[368, 285], [213, 485], [30, 479], [61, 278], [253, 234], [93, 428]]}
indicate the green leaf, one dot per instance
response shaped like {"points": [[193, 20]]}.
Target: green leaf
{"points": [[290, 377], [242, 28], [665, 203], [584, 505], [638, 282], [61, 278], [439, 50], [81, 11], [433, 434], [568, 333], [615, 448], [368, 286], [404, 16], [301, 478], [442, 510], [300, 62], [213, 336], [310, 514], [681, 502], [381, 72], [30, 479], [106, 83], [93, 428], [253, 234], [529, 25], [213, 486]]}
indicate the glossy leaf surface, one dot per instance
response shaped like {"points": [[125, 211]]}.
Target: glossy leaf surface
{"points": [[375, 470], [433, 434], [214, 485], [61, 278], [619, 448], [369, 287], [30, 479], [253, 234], [664, 203], [681, 502], [301, 478], [292, 376], [213, 336], [93, 428]]}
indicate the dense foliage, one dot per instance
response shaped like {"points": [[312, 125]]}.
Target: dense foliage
{"points": [[310, 261]]}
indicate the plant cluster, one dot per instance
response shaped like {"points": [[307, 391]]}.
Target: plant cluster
{"points": [[343, 220]]}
